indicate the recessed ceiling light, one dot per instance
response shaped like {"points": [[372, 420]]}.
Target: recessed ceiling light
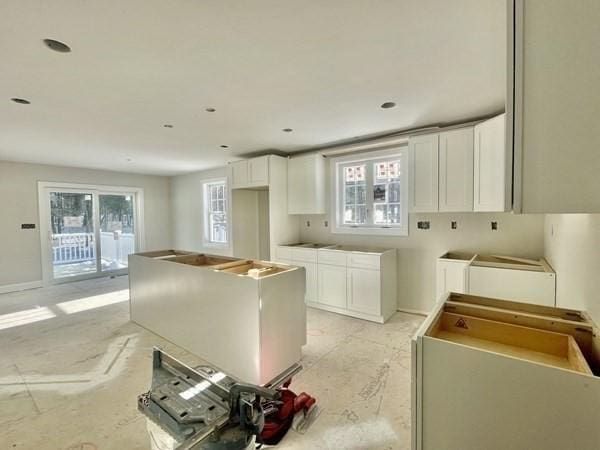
{"points": [[57, 46], [168, 125], [224, 146], [21, 101], [287, 130], [388, 105], [210, 109]]}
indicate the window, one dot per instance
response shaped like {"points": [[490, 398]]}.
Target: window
{"points": [[215, 213], [370, 193]]}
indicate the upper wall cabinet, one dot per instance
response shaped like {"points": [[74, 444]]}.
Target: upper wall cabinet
{"points": [[493, 168], [461, 170], [306, 184], [456, 170], [250, 173], [423, 173], [557, 105]]}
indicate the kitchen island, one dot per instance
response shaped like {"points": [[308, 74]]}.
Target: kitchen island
{"points": [[246, 317]]}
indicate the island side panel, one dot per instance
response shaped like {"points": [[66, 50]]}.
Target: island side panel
{"points": [[282, 321], [213, 315]]}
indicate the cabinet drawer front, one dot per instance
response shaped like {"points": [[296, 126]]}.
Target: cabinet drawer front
{"points": [[334, 258], [283, 253], [364, 260], [304, 255]]}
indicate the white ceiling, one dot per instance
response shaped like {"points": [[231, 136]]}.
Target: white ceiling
{"points": [[321, 67]]}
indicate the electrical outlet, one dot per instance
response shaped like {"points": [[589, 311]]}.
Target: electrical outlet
{"points": [[326, 223], [454, 225], [423, 225], [494, 226], [308, 223]]}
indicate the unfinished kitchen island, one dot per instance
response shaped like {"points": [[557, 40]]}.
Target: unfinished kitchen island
{"points": [[246, 317]]}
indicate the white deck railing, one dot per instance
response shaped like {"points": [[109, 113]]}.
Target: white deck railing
{"points": [[79, 247]]}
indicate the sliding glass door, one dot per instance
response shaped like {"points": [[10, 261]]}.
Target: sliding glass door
{"points": [[72, 236], [90, 232], [117, 230]]}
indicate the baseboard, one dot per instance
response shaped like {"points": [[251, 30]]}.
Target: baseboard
{"points": [[414, 311], [20, 286]]}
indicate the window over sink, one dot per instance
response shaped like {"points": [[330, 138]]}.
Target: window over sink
{"points": [[370, 193]]}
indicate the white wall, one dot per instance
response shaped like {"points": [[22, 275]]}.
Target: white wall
{"points": [[572, 246], [20, 260], [187, 206]]}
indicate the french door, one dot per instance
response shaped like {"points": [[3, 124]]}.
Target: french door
{"points": [[87, 231]]}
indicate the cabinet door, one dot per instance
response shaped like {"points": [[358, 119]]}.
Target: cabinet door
{"points": [[364, 291], [311, 280], [239, 174], [456, 170], [306, 185], [451, 277], [423, 173], [259, 171], [332, 285], [491, 192]]}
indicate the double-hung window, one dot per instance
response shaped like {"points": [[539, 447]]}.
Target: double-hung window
{"points": [[370, 193], [216, 228]]}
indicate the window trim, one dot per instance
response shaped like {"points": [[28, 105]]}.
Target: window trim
{"points": [[206, 242], [336, 192]]}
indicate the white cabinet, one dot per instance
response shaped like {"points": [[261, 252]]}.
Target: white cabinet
{"points": [[250, 173], [461, 170], [538, 288], [452, 276], [492, 166], [524, 370], [503, 277], [303, 257], [358, 282], [311, 279], [239, 174], [456, 170], [258, 170], [557, 106], [332, 285], [423, 173], [306, 184], [364, 291]]}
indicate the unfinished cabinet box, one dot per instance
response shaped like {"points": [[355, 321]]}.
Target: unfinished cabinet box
{"points": [[495, 375], [453, 273], [306, 184], [505, 277]]}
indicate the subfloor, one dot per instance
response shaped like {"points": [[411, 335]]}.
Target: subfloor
{"points": [[72, 365]]}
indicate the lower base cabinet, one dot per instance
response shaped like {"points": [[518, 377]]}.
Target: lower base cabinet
{"points": [[497, 375], [364, 291], [332, 285], [503, 277], [311, 279]]}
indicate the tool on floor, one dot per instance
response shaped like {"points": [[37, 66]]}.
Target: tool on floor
{"points": [[203, 408]]}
